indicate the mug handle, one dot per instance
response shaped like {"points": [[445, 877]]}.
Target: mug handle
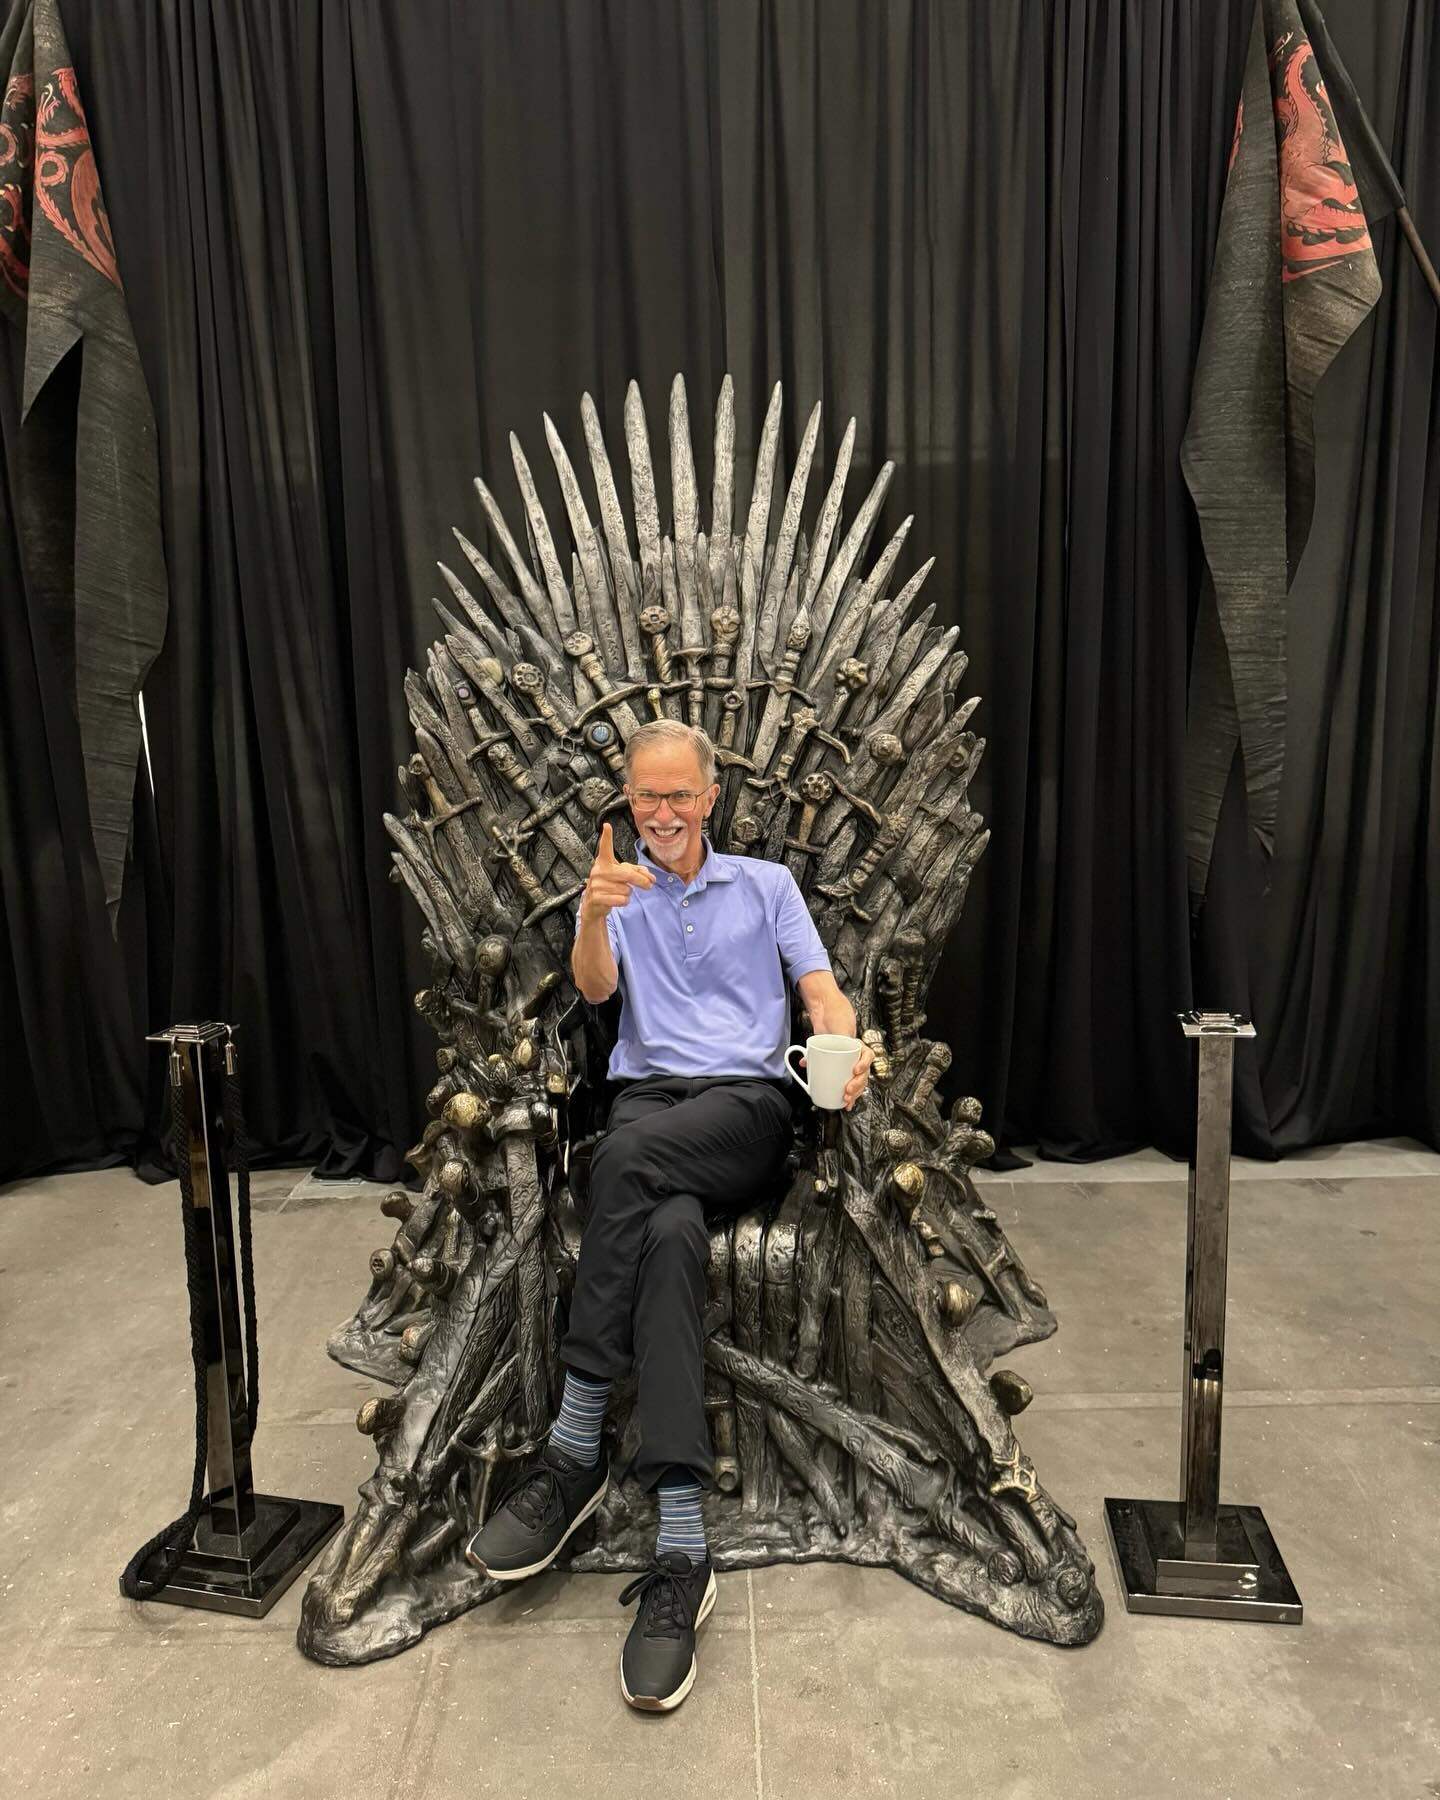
{"points": [[797, 1050]]}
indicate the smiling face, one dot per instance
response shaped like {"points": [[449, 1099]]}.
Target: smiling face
{"points": [[674, 838]]}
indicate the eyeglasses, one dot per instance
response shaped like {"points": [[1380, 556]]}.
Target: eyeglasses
{"points": [[682, 800]]}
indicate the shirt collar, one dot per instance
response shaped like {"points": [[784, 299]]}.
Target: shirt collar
{"points": [[713, 868]]}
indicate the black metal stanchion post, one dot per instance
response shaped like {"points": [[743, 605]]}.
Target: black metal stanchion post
{"points": [[247, 1547], [1196, 1556]]}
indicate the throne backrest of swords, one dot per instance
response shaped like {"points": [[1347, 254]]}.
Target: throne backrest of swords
{"points": [[842, 747]]}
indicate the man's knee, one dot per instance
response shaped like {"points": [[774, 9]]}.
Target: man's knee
{"points": [[627, 1155], [677, 1229]]}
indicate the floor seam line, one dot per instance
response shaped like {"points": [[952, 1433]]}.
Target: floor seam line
{"points": [[1252, 1399], [400, 1780], [755, 1686]]}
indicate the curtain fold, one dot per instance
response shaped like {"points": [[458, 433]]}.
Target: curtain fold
{"points": [[360, 244]]}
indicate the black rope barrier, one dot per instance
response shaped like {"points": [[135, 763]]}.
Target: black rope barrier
{"points": [[238, 1159]]}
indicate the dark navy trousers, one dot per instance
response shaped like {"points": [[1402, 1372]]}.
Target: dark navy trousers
{"points": [[678, 1151]]}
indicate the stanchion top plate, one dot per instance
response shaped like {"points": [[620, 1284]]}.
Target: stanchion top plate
{"points": [[205, 1032], [1215, 1024]]}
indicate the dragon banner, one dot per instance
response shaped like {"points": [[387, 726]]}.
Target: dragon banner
{"points": [[1294, 276], [84, 471]]}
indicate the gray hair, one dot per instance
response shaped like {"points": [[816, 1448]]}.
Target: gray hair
{"points": [[671, 731]]}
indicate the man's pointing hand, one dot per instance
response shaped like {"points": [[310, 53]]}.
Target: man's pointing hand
{"points": [[611, 882]]}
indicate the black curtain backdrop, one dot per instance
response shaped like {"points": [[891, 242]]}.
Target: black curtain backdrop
{"points": [[361, 243]]}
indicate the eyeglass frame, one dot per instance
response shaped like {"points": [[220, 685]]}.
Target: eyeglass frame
{"points": [[681, 812]]}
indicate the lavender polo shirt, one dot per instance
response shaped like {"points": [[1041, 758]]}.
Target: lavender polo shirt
{"points": [[704, 968]]}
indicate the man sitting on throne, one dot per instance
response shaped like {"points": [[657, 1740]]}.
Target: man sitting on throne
{"points": [[703, 949]]}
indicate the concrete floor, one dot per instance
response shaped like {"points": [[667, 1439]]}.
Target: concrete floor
{"points": [[813, 1682]]}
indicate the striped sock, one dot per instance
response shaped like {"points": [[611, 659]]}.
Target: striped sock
{"points": [[582, 1413], [681, 1526]]}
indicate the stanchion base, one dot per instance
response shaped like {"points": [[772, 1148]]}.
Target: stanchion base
{"points": [[1248, 1579], [221, 1573]]}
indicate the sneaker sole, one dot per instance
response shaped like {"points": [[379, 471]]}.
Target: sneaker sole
{"points": [[545, 1562], [648, 1703]]}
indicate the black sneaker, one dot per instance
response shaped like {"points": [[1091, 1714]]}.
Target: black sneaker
{"points": [[547, 1504], [657, 1665]]}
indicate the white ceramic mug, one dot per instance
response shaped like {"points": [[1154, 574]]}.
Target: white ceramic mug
{"points": [[830, 1059]]}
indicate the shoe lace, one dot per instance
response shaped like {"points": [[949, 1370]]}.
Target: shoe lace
{"points": [[535, 1497], [665, 1602]]}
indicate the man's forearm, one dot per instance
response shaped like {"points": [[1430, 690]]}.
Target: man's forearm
{"points": [[831, 1013], [592, 962]]}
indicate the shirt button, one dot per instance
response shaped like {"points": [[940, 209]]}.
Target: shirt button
{"points": [[689, 927], [684, 902]]}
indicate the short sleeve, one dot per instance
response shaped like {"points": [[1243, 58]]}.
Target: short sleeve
{"points": [[612, 931], [801, 950]]}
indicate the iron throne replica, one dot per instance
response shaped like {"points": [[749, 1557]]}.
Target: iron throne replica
{"points": [[855, 1314]]}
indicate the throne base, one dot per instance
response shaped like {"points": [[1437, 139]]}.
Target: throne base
{"points": [[619, 1540]]}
